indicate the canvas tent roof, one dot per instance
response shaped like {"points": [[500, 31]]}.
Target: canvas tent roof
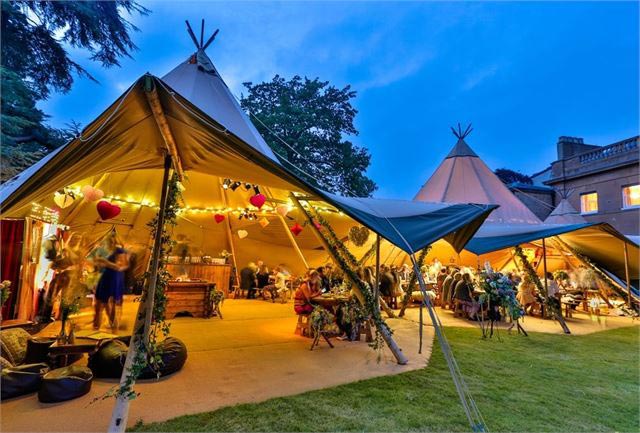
{"points": [[463, 175], [126, 138], [564, 213]]}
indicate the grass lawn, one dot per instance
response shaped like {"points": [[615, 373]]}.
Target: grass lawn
{"points": [[540, 383]]}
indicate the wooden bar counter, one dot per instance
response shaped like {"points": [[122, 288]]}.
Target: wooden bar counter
{"points": [[209, 272]]}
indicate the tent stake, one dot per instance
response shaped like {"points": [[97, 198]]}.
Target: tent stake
{"points": [[120, 413], [397, 352]]}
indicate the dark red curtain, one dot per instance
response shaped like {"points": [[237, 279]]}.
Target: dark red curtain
{"points": [[11, 240]]}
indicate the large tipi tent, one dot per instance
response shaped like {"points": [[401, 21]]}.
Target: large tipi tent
{"points": [[191, 115], [565, 213], [463, 175]]}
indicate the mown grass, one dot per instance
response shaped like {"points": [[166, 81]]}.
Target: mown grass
{"points": [[543, 383]]}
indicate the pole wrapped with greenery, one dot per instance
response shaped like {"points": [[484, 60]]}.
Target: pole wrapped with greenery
{"points": [[413, 281], [148, 353]]}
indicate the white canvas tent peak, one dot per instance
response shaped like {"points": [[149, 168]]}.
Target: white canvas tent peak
{"points": [[565, 213], [463, 177]]}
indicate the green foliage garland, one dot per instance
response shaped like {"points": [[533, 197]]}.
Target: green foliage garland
{"points": [[151, 355], [552, 304], [413, 280]]}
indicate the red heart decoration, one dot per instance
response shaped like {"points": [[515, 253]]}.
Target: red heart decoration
{"points": [[107, 210], [296, 229], [218, 217], [258, 200]]}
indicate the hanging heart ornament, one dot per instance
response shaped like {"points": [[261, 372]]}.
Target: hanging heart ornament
{"points": [[283, 210], [63, 199], [218, 218], [296, 229], [92, 194], [258, 200], [107, 210], [243, 234], [263, 222]]}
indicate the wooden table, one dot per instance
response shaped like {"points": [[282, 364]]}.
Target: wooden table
{"points": [[189, 296], [15, 323], [211, 272], [64, 351]]}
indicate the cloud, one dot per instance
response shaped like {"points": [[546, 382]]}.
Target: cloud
{"points": [[477, 77]]}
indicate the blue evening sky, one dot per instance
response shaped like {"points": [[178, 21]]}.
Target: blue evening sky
{"points": [[523, 73]]}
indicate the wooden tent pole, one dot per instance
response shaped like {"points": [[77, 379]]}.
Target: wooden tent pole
{"points": [[544, 266], [377, 287], [118, 422], [227, 226], [292, 239], [384, 331], [626, 274]]}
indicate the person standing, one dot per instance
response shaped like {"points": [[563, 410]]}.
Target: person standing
{"points": [[111, 285], [248, 280]]}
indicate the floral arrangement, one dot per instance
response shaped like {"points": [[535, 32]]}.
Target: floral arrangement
{"points": [[499, 291], [353, 314], [5, 291], [319, 319], [224, 254]]}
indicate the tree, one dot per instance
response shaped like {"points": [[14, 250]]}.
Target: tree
{"points": [[508, 176], [35, 62], [34, 35], [312, 117]]}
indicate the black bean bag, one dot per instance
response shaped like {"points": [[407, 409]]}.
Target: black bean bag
{"points": [[109, 360], [21, 380], [65, 383], [38, 350]]}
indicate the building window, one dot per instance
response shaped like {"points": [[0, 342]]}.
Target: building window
{"points": [[589, 203], [630, 196]]}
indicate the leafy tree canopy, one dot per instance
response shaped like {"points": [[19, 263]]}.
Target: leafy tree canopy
{"points": [[508, 176], [34, 34], [313, 117]]}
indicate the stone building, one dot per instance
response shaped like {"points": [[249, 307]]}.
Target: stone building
{"points": [[602, 182]]}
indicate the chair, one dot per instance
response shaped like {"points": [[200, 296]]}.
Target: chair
{"points": [[303, 327], [65, 383]]}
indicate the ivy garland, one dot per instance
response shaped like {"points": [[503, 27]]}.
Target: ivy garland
{"points": [[347, 262], [553, 305], [151, 355], [413, 280]]}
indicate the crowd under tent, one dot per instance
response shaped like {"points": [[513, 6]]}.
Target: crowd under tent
{"points": [[463, 176], [191, 116]]}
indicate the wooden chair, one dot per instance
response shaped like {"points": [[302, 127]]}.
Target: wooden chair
{"points": [[365, 329], [303, 327]]}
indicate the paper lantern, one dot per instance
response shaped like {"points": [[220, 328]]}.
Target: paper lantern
{"points": [[258, 200], [283, 210], [263, 222], [218, 217], [92, 194], [107, 210], [296, 229], [63, 199], [243, 234]]}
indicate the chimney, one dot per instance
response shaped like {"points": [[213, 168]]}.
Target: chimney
{"points": [[569, 146]]}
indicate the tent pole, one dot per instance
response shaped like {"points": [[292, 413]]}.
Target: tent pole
{"points": [[626, 274], [290, 236], [227, 226], [544, 265], [384, 331], [377, 287], [118, 422]]}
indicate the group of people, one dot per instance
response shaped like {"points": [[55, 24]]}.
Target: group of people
{"points": [[256, 278]]}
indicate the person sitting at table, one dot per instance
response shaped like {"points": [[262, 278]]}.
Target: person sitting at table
{"points": [[308, 290], [527, 294], [325, 284], [386, 281], [449, 286], [442, 275], [553, 290], [280, 283], [463, 294], [248, 280]]}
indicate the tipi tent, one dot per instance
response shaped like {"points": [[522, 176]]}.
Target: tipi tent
{"points": [[564, 213]]}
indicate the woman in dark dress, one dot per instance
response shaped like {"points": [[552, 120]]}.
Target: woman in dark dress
{"points": [[110, 288]]}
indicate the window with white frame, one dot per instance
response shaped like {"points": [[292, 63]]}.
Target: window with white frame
{"points": [[630, 196], [589, 203]]}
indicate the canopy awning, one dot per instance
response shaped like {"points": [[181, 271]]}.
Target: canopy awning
{"points": [[126, 137]]}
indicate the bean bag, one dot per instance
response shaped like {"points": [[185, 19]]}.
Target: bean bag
{"points": [[108, 361], [65, 383], [22, 379]]}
